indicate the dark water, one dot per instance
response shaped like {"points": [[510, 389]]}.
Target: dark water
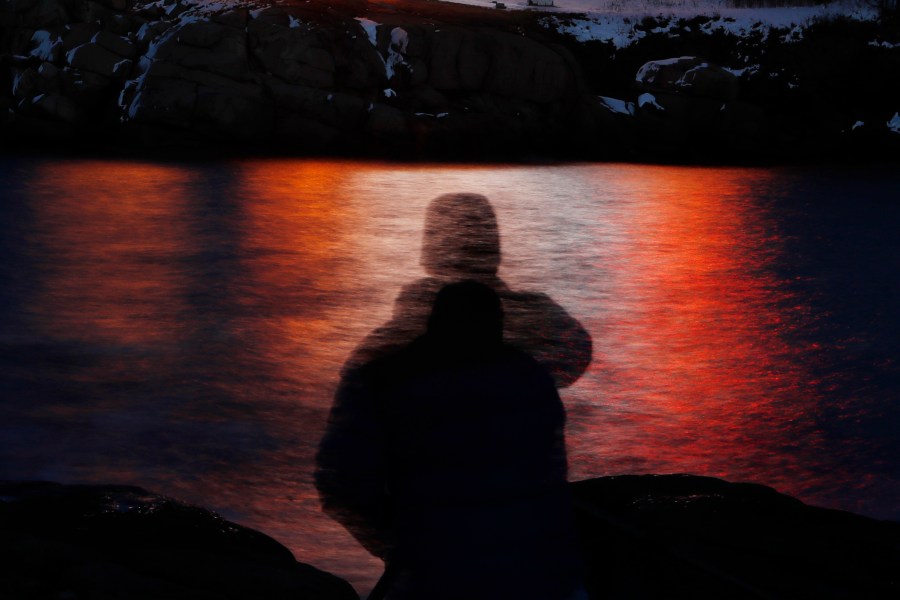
{"points": [[181, 326]]}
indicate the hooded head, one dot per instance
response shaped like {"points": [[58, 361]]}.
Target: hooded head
{"points": [[461, 238]]}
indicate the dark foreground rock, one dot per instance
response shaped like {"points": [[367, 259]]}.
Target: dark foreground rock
{"points": [[113, 542], [650, 536], [681, 536]]}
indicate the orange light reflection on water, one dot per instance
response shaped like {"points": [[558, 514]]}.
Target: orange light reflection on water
{"points": [[692, 368], [109, 234], [223, 299]]}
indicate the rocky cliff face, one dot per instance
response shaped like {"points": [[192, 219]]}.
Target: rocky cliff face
{"points": [[293, 77], [417, 78]]}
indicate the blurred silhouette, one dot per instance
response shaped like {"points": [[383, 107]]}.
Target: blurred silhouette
{"points": [[462, 241], [447, 459]]}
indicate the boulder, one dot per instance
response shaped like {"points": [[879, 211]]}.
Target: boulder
{"points": [[201, 34], [115, 44], [60, 108], [95, 58], [297, 132], [163, 101], [387, 122], [204, 46], [682, 536], [89, 90], [152, 30], [26, 83], [443, 71], [43, 14], [76, 34], [526, 69], [334, 109], [124, 543], [293, 54], [690, 75], [120, 24], [236, 19], [46, 46], [473, 61], [233, 114]]}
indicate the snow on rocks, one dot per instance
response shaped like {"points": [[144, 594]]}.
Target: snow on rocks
{"points": [[688, 74], [396, 50], [650, 72], [47, 45], [370, 27], [608, 22], [617, 106], [612, 29], [647, 99], [894, 124], [97, 59]]}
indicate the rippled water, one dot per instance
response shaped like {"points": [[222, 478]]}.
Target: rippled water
{"points": [[181, 326]]}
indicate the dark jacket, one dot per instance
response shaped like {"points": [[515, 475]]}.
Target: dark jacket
{"points": [[450, 463]]}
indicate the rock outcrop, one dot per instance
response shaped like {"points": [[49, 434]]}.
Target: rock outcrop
{"points": [[292, 77], [414, 78], [682, 536], [120, 542], [648, 536], [688, 103]]}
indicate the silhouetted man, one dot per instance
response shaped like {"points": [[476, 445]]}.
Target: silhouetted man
{"points": [[447, 459]]}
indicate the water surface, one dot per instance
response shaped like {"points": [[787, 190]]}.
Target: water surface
{"points": [[181, 326]]}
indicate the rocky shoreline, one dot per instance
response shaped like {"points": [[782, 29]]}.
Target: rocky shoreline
{"points": [[417, 79], [649, 536]]}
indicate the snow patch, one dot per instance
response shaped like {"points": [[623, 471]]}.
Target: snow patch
{"points": [[748, 70], [617, 106], [649, 99], [857, 125], [294, 22], [653, 66], [793, 36], [609, 28], [135, 105], [45, 44], [120, 67], [894, 123], [615, 22], [396, 51], [371, 29]]}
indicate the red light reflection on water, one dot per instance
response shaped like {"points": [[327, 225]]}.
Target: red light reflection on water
{"points": [[691, 366], [109, 234], [238, 290]]}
